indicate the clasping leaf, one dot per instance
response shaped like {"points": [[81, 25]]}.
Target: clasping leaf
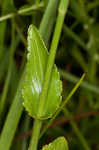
{"points": [[34, 76]]}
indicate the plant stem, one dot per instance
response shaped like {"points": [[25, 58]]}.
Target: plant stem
{"points": [[62, 10], [58, 28], [47, 25], [35, 135], [21, 11]]}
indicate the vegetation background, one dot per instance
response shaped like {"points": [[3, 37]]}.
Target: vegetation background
{"points": [[78, 52]]}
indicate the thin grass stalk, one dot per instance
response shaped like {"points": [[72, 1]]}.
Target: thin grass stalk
{"points": [[73, 79], [63, 104]]}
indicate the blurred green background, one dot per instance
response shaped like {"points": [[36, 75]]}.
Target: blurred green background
{"points": [[78, 52]]}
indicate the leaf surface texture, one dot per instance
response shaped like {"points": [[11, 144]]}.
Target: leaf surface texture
{"points": [[34, 76]]}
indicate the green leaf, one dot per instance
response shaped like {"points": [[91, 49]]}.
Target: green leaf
{"points": [[35, 70], [58, 144]]}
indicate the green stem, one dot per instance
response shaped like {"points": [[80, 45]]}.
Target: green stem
{"points": [[36, 130], [58, 28], [35, 135], [47, 25], [64, 103], [21, 11], [77, 131]]}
